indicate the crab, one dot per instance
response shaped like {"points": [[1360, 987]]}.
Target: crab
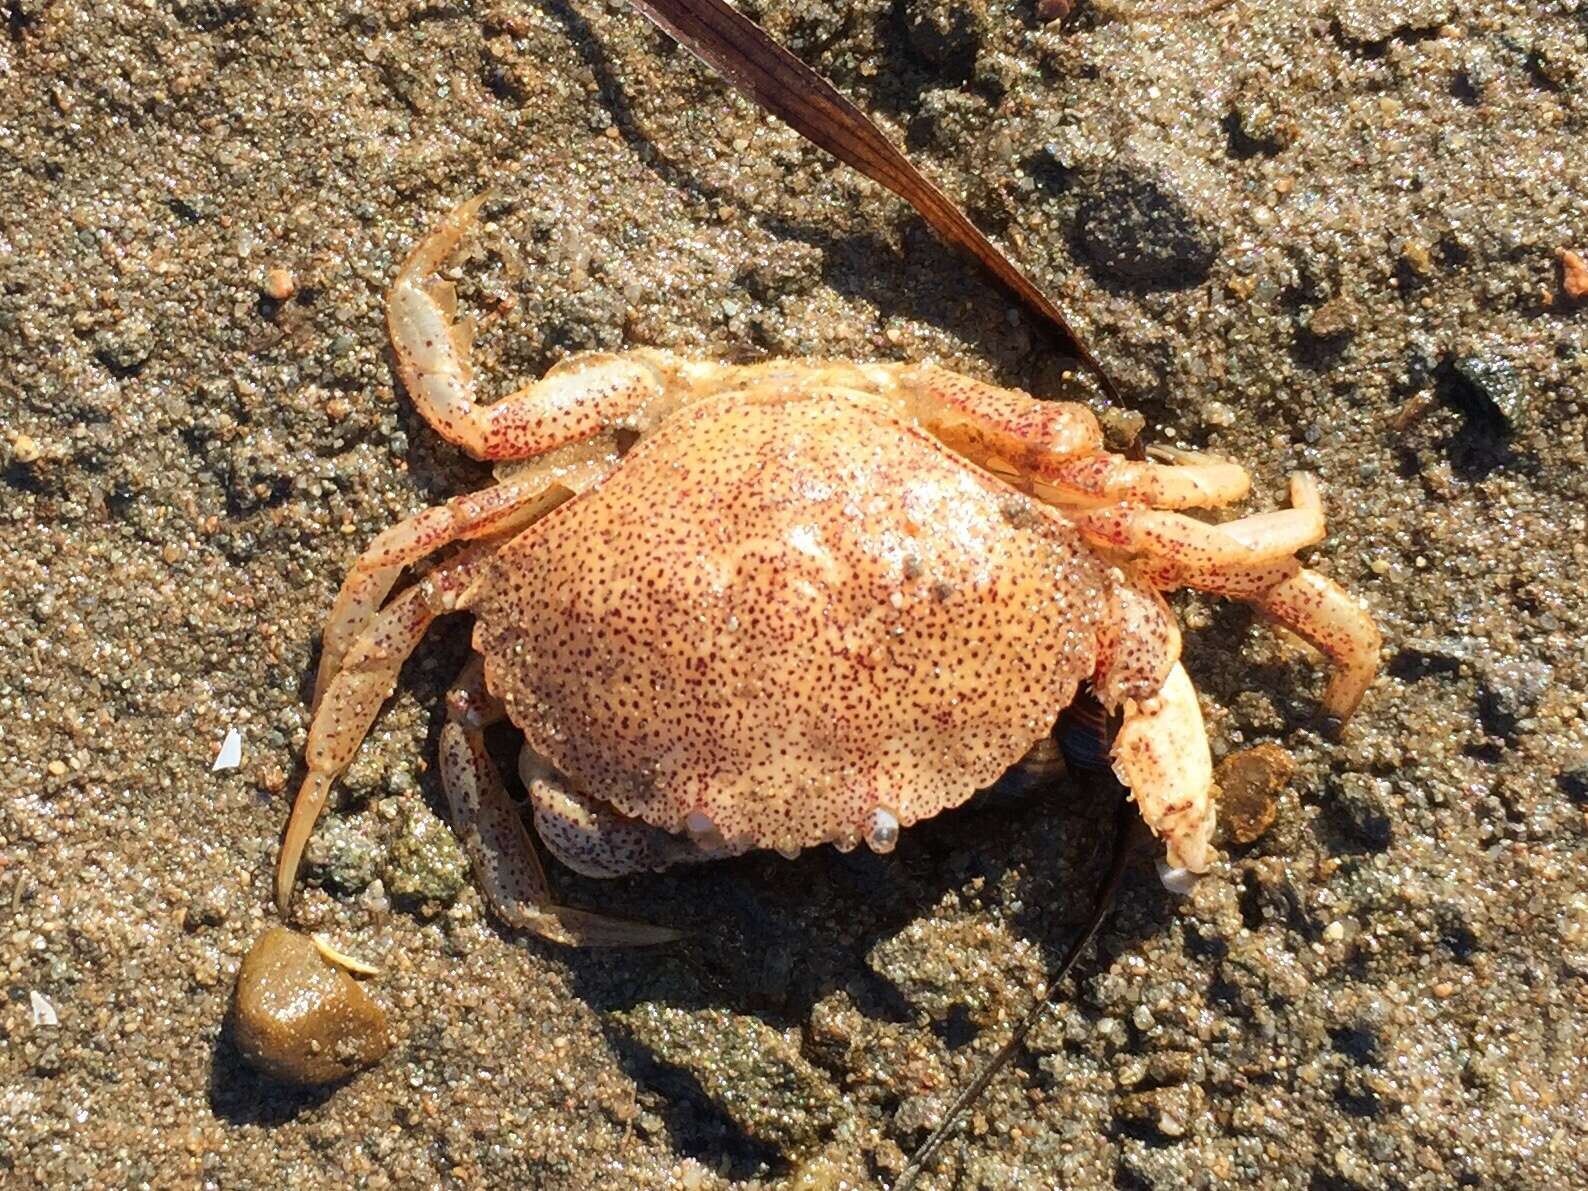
{"points": [[786, 604]]}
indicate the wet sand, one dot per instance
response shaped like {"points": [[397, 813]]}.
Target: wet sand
{"points": [[1320, 235]]}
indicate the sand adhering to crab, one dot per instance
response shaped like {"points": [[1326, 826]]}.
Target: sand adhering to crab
{"points": [[1331, 237]]}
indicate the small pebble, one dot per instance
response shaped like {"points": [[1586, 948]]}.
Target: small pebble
{"points": [[1573, 279], [280, 284], [1249, 783], [25, 448], [300, 1019]]}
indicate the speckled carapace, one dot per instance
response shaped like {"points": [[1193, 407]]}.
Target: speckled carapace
{"points": [[788, 604]]}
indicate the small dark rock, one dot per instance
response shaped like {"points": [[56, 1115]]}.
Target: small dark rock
{"points": [[1489, 387], [1509, 692], [753, 1073], [1368, 22], [1134, 227], [1256, 125], [125, 347], [345, 853], [210, 909], [1364, 809], [946, 33], [1168, 1113], [426, 864]]}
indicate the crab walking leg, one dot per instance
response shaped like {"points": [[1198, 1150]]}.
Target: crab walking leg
{"points": [[492, 833], [589, 394], [496, 509], [1325, 614], [1175, 480], [1315, 608], [353, 697], [1051, 448], [1161, 755], [1170, 542], [589, 838]]}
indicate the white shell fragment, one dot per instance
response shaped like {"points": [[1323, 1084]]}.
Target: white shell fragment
{"points": [[332, 954], [1178, 881], [231, 754], [43, 1011]]}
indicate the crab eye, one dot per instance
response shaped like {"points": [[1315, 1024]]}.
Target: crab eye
{"points": [[882, 830]]}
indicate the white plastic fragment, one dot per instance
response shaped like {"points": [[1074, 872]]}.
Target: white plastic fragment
{"points": [[1179, 881], [43, 1011], [231, 754]]}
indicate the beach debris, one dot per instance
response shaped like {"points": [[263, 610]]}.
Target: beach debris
{"points": [[231, 753], [43, 1012], [280, 284]]}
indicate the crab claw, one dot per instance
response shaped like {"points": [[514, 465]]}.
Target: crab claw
{"points": [[1161, 754]]}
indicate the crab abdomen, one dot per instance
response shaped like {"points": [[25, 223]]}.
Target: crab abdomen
{"points": [[780, 614]]}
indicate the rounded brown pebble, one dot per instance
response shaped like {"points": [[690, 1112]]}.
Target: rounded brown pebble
{"points": [[300, 1019], [1249, 783], [1573, 275], [280, 284]]}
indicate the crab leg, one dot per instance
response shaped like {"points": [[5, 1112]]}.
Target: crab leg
{"points": [[492, 832], [1052, 448], [589, 394], [1176, 480], [1161, 755], [370, 579], [364, 680], [1255, 565], [1311, 605], [590, 838], [1173, 541]]}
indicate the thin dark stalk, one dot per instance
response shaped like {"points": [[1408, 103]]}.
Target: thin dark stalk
{"points": [[756, 65], [1129, 835]]}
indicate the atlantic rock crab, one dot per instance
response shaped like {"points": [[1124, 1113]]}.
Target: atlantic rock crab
{"points": [[787, 604]]}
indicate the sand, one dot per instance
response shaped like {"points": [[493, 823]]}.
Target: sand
{"points": [[1316, 235]]}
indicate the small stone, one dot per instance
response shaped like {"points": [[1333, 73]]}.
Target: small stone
{"points": [[302, 1020], [1134, 226], [1249, 783], [1574, 783], [753, 1073], [1489, 386], [427, 864], [1371, 21], [125, 347], [1168, 1112], [209, 909], [1335, 319], [1509, 692], [280, 284], [25, 449], [1573, 276], [1364, 809]]}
